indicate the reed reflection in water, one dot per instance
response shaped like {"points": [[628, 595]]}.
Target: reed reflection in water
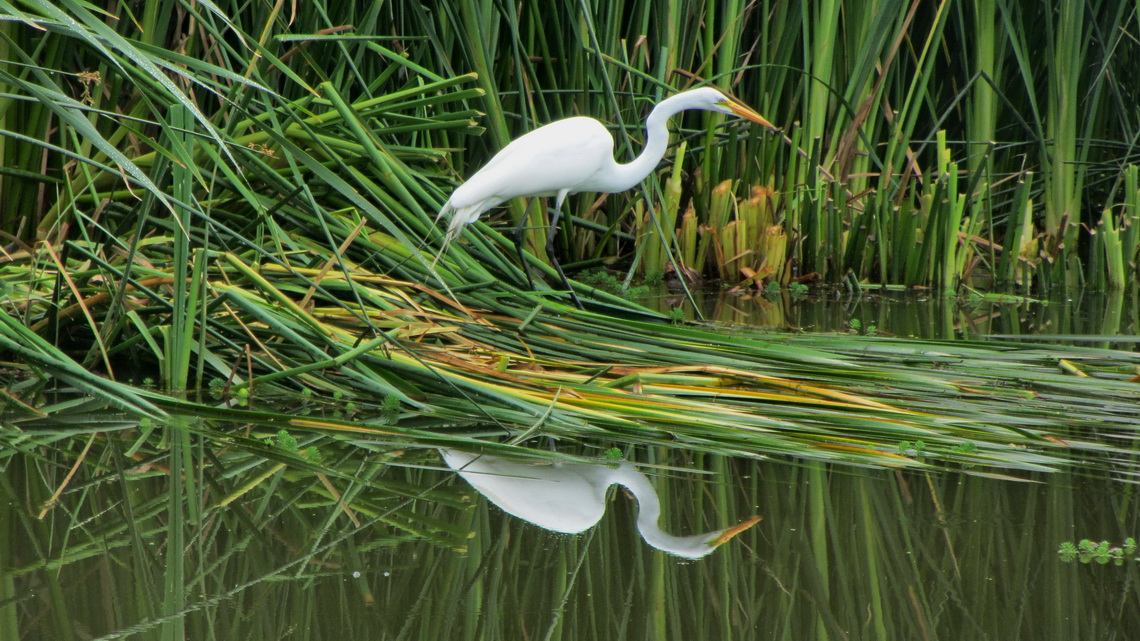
{"points": [[841, 553]]}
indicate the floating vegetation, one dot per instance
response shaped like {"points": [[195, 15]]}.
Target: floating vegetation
{"points": [[1087, 551]]}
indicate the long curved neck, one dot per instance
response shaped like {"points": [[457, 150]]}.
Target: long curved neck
{"points": [[648, 505], [628, 175], [649, 511]]}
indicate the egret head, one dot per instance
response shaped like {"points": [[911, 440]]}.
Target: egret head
{"points": [[712, 99]]}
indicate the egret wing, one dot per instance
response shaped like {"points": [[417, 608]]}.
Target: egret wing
{"points": [[564, 155]]}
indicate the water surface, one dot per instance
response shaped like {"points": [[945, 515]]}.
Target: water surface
{"points": [[840, 553]]}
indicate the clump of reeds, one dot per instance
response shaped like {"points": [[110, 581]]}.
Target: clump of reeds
{"points": [[261, 216]]}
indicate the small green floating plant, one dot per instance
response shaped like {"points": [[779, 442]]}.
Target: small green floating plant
{"points": [[287, 442], [857, 327], [1103, 552], [919, 452]]}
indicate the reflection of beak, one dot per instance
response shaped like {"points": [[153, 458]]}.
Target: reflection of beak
{"points": [[733, 531], [744, 111]]}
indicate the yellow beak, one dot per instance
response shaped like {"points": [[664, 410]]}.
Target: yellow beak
{"points": [[744, 111], [733, 531]]}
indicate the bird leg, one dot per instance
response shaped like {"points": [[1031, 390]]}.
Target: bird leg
{"points": [[554, 214], [519, 243], [550, 249]]}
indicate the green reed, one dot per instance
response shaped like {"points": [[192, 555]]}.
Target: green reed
{"points": [[862, 92], [245, 197]]}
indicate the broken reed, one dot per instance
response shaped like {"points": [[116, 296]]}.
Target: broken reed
{"points": [[733, 239]]}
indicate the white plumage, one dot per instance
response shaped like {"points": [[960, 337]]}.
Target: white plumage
{"points": [[574, 155], [564, 157]]}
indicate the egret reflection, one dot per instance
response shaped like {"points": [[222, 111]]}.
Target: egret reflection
{"points": [[571, 497]]}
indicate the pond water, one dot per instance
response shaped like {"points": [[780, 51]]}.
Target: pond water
{"points": [[203, 536], [838, 553], [922, 314]]}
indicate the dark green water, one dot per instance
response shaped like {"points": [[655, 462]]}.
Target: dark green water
{"points": [[839, 554], [924, 314]]}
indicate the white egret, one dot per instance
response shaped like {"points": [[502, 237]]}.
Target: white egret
{"points": [[571, 497], [570, 156]]}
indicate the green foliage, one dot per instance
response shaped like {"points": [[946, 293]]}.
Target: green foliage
{"points": [[865, 172], [915, 450], [288, 443], [857, 327], [253, 214], [602, 279], [245, 194], [961, 453], [1087, 551]]}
